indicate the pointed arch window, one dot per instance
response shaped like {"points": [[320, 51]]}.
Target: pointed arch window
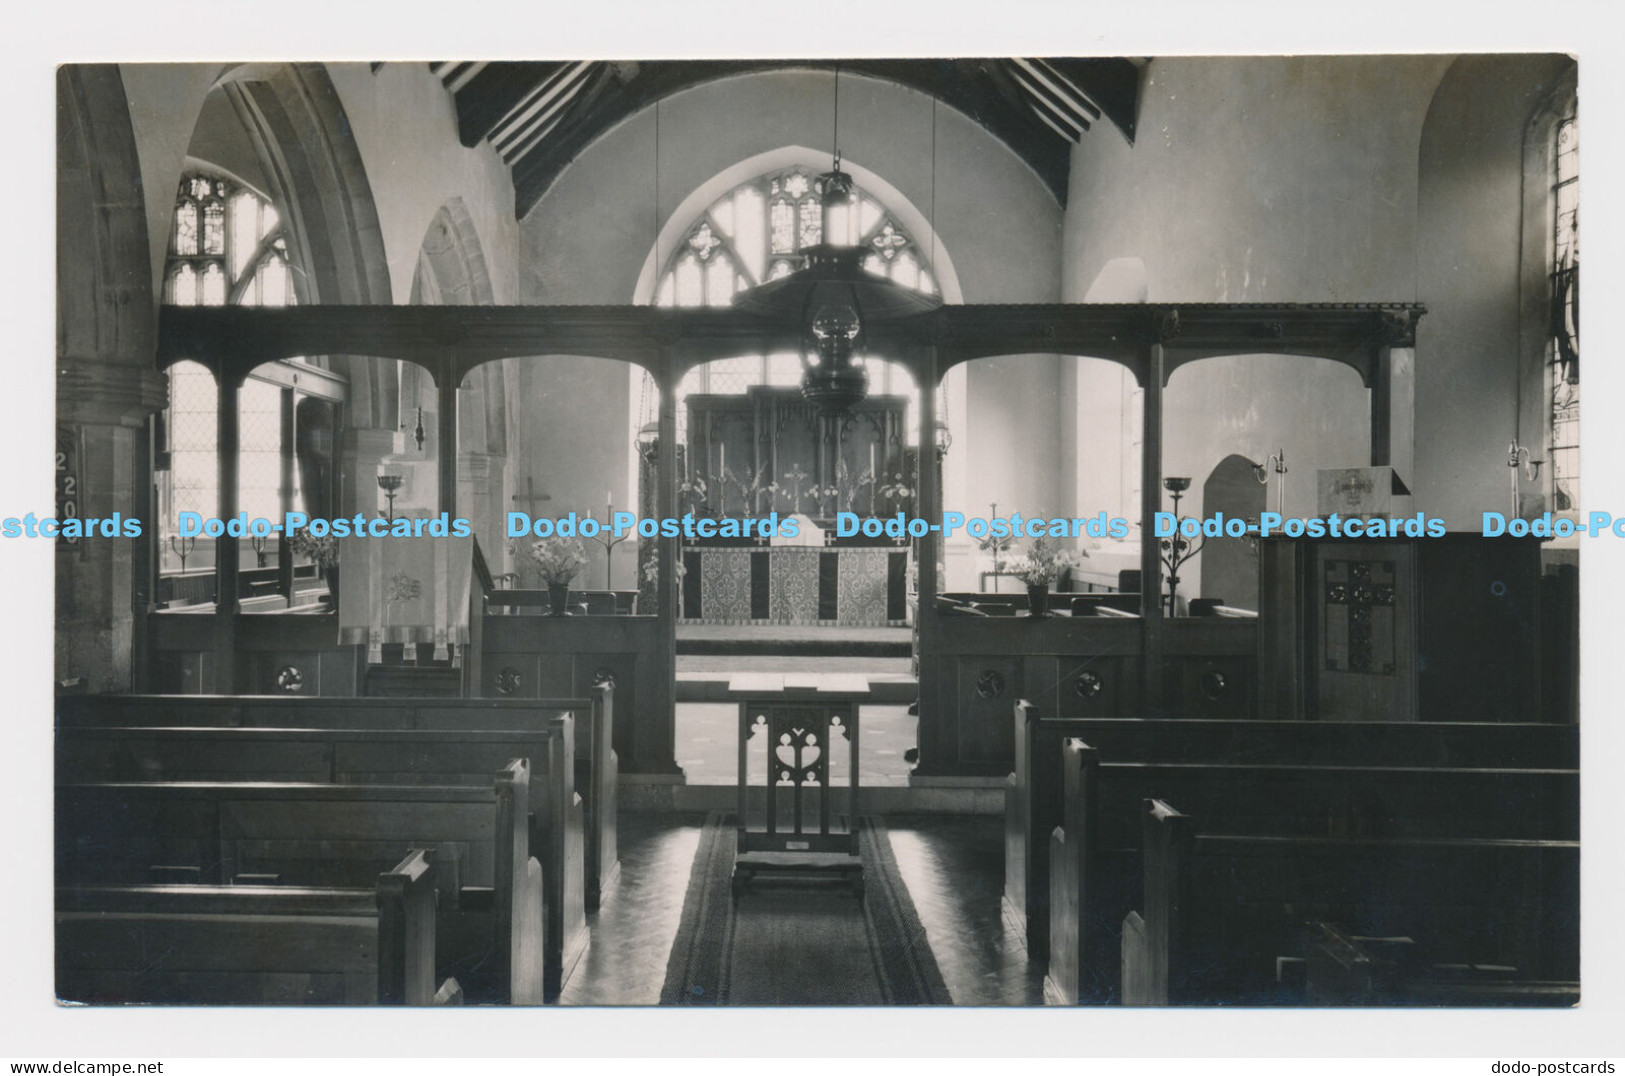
{"points": [[226, 248], [755, 233], [1563, 349]]}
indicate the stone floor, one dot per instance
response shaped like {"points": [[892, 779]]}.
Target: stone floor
{"points": [[952, 865]]}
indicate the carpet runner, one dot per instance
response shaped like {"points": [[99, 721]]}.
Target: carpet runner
{"points": [[799, 944]]}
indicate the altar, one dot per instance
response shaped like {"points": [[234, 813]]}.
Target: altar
{"points": [[839, 585]]}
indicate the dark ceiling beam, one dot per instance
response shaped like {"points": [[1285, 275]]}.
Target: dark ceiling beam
{"points": [[976, 88], [1112, 83], [493, 93]]}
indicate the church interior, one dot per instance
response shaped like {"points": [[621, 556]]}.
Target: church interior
{"points": [[1087, 746]]}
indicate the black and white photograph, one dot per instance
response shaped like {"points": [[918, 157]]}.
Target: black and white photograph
{"points": [[737, 531]]}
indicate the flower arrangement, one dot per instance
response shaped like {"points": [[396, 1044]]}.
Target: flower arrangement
{"points": [[1044, 563], [692, 493], [847, 486], [558, 559], [322, 552], [897, 490]]}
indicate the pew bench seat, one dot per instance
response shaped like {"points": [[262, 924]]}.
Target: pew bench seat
{"points": [[253, 945]]}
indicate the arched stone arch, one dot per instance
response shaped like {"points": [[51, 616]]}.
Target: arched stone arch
{"points": [[1121, 280], [106, 382], [105, 330], [296, 123], [452, 271]]}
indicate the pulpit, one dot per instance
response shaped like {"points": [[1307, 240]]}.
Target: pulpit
{"points": [[1401, 629]]}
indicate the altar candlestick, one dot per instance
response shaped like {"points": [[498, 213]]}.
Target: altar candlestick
{"points": [[871, 458], [722, 460]]}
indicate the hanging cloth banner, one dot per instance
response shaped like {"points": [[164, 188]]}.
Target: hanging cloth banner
{"points": [[405, 590]]}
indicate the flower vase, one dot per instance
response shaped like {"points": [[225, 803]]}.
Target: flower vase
{"points": [[1038, 599], [558, 596]]}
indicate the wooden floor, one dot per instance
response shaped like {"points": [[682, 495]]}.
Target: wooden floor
{"points": [[952, 865]]}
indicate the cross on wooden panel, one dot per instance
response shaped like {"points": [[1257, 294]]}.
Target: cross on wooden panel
{"points": [[1361, 639]]}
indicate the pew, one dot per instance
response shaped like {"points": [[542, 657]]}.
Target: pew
{"points": [[245, 945], [352, 756], [1093, 854], [1342, 968], [1507, 780], [1219, 910], [596, 765], [1361, 743], [324, 835]]}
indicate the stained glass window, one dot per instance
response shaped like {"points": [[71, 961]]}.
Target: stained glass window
{"points": [[753, 234], [226, 248], [1564, 347]]}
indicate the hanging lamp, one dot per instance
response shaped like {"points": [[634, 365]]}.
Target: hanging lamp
{"points": [[833, 299]]}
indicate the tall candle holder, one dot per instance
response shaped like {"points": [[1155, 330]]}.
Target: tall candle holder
{"points": [[182, 548], [390, 484], [1177, 550], [607, 538], [1519, 459]]}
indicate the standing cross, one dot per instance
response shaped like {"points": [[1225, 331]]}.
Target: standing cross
{"points": [[797, 476], [531, 498]]}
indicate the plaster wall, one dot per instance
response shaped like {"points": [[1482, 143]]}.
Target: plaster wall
{"points": [[1325, 179], [1471, 369]]}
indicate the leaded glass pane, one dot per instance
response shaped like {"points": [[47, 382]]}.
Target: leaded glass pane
{"points": [[273, 283], [214, 228], [723, 214], [783, 221], [186, 228], [245, 231], [797, 185], [906, 271], [750, 241], [668, 292], [690, 282], [201, 187], [812, 223], [192, 435], [868, 215], [719, 283], [259, 466], [927, 285], [887, 242], [874, 264], [733, 376], [183, 286], [703, 242], [214, 285]]}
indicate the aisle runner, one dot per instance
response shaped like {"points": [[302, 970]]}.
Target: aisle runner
{"points": [[799, 945]]}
